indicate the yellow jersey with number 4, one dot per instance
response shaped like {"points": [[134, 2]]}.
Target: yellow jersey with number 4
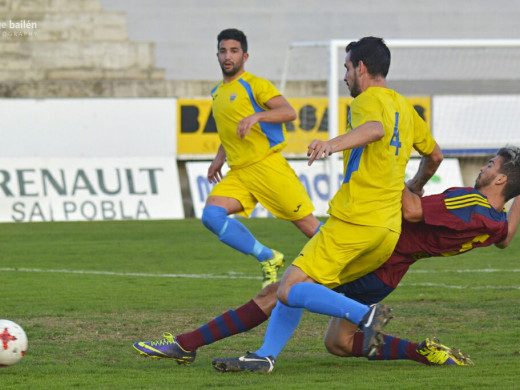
{"points": [[236, 100], [370, 193]]}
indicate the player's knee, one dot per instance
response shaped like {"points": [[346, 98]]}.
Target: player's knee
{"points": [[268, 292], [214, 218], [283, 294], [266, 299], [333, 347]]}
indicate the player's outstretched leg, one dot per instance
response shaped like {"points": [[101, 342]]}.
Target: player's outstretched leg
{"points": [[249, 362], [165, 348], [233, 233], [438, 354], [372, 326]]}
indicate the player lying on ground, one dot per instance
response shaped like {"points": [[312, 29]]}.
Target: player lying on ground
{"points": [[447, 224]]}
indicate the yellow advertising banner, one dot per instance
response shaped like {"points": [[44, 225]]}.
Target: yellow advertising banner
{"points": [[197, 133]]}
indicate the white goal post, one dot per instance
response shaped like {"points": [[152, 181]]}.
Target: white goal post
{"points": [[333, 47]]}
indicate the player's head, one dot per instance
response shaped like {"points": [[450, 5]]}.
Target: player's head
{"points": [[235, 34], [503, 169], [373, 53], [511, 168], [232, 51]]}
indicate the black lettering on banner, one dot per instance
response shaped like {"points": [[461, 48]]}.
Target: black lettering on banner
{"points": [[141, 209], [68, 208], [23, 181], [131, 183], [121, 208], [36, 212], [308, 119], [189, 119], [4, 181], [88, 210], [107, 210], [18, 208], [420, 110], [324, 124], [307, 116], [81, 176], [153, 180], [48, 178], [211, 126], [102, 186]]}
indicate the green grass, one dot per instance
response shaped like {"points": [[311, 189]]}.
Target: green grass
{"points": [[81, 326]]}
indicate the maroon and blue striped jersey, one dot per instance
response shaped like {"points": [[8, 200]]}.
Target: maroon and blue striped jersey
{"points": [[455, 222]]}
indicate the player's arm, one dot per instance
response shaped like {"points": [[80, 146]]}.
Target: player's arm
{"points": [[427, 168], [215, 168], [280, 111], [412, 206], [362, 135], [513, 218]]}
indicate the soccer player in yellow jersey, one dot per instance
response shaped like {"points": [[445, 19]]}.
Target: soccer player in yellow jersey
{"points": [[365, 213], [250, 114]]}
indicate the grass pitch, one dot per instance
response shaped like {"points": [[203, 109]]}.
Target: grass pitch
{"points": [[84, 292]]}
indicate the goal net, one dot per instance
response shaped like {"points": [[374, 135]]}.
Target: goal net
{"points": [[470, 91]]}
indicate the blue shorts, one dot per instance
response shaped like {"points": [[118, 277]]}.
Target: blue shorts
{"points": [[367, 290]]}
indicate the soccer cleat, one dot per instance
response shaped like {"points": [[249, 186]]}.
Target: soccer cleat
{"points": [[166, 348], [270, 268], [438, 354], [372, 326], [249, 362]]}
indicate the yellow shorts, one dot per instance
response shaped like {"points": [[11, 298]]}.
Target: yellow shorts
{"points": [[273, 183], [342, 252]]}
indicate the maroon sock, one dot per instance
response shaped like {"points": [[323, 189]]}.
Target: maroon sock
{"points": [[240, 320], [393, 348]]}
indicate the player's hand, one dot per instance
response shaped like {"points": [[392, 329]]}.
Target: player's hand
{"points": [[317, 150], [215, 171], [245, 125]]}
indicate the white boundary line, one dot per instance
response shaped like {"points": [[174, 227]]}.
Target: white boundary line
{"points": [[236, 275], [230, 275]]}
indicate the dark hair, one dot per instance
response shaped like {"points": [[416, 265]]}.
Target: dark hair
{"points": [[233, 33], [511, 168], [373, 52]]}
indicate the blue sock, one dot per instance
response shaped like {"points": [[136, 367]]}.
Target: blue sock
{"points": [[284, 320], [319, 299], [233, 233]]}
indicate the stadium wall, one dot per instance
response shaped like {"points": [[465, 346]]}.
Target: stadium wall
{"points": [[124, 50], [117, 159], [88, 160]]}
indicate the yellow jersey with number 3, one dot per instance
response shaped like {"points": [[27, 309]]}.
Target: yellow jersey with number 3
{"points": [[370, 193], [236, 100]]}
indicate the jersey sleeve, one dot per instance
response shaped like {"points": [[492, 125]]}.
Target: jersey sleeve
{"points": [[423, 142], [264, 91]]}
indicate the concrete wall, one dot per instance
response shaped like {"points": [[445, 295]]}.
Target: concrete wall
{"points": [[135, 48], [71, 48], [184, 31]]}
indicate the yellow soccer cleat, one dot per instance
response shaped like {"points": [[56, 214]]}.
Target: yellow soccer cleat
{"points": [[438, 354], [166, 348], [270, 268]]}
